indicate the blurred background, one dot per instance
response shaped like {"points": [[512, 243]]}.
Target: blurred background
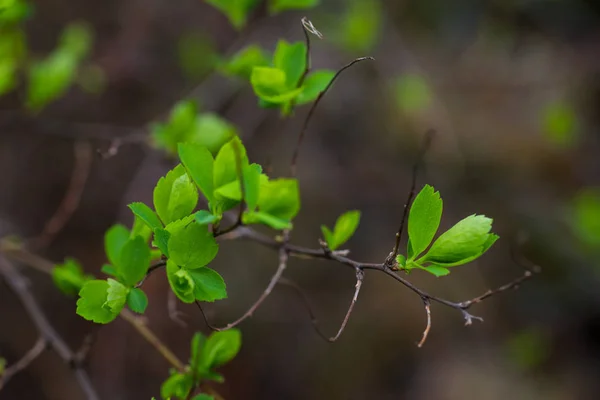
{"points": [[512, 89]]}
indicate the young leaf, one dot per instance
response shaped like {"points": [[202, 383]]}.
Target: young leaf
{"points": [[196, 346], [436, 270], [280, 198], [212, 131], [175, 196], [146, 214], [204, 217], [277, 6], [198, 161], [327, 235], [236, 10], [344, 228], [140, 228], [193, 246], [463, 242], [209, 285], [221, 347], [491, 239], [114, 240], [116, 295], [203, 396], [314, 84], [269, 85], [181, 282], [178, 386], [92, 302], [242, 62], [424, 219], [134, 261], [69, 277], [259, 217], [291, 59], [225, 167], [137, 300], [252, 174], [108, 270], [161, 240]]}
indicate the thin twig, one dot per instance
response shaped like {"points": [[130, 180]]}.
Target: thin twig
{"points": [[283, 259], [308, 28], [427, 305], [415, 169], [18, 284], [81, 170], [313, 107], [359, 280], [33, 353]]}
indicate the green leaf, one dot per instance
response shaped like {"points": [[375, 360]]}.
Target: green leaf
{"points": [[345, 227], [327, 235], [177, 386], [360, 26], [175, 196], [221, 347], [280, 198], [401, 260], [585, 211], [277, 6], [161, 240], [50, 78], [178, 128], [76, 39], [203, 396], [137, 300], [242, 62], [134, 261], [193, 246], [212, 131], [560, 123], [204, 217], [424, 219], [269, 84], [116, 295], [140, 229], [108, 270], [181, 282], [465, 241], [252, 174], [199, 162], [314, 84], [92, 302], [491, 239], [291, 59], [114, 240], [436, 270], [237, 11], [146, 214], [196, 346], [209, 285], [225, 167], [69, 277], [259, 217], [413, 93]]}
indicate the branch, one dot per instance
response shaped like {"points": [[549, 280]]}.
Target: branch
{"points": [[424, 147], [359, 280], [313, 107], [18, 284], [308, 27], [427, 305], [283, 259], [70, 202]]}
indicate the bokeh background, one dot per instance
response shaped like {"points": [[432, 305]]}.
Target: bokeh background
{"points": [[512, 89]]}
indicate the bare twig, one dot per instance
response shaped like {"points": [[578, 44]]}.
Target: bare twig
{"points": [[424, 147], [283, 259], [70, 202], [18, 284], [427, 305], [313, 107], [360, 275], [308, 28]]}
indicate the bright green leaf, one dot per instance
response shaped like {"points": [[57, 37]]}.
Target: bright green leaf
{"points": [[221, 347], [242, 62], [137, 300], [114, 240], [291, 59], [50, 78], [314, 84], [203, 396], [237, 11], [175, 196], [209, 285], [280, 198], [204, 217], [134, 261], [181, 282], [327, 235], [212, 131], [345, 227], [199, 163], [259, 217], [424, 219], [69, 277], [116, 295], [177, 386], [436, 270], [146, 214], [360, 26], [161, 240], [108, 270], [269, 84], [76, 38], [92, 302], [196, 346], [193, 246], [277, 6]]}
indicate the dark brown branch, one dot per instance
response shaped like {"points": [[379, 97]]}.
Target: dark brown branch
{"points": [[81, 170], [313, 107], [18, 284], [283, 259], [427, 305], [415, 169]]}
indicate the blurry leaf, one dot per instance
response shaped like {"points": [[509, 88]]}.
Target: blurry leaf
{"points": [[204, 217], [196, 346], [50, 78], [92, 302], [15, 11], [137, 300], [291, 59], [242, 63], [76, 39], [528, 348], [345, 227], [413, 93], [176, 386], [280, 198], [146, 214], [175, 196], [69, 277], [360, 26], [108, 270], [116, 295], [559, 122], [209, 285], [277, 6], [181, 122], [424, 219], [586, 215], [212, 131], [259, 217], [314, 84], [192, 247], [8, 79], [203, 396], [181, 282], [134, 261], [269, 84], [114, 240], [199, 163], [221, 347], [92, 78], [236, 10], [197, 55]]}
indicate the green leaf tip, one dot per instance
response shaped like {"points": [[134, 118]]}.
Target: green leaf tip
{"points": [[424, 220], [345, 227]]}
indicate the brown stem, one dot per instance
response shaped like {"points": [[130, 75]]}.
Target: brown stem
{"points": [[427, 305]]}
